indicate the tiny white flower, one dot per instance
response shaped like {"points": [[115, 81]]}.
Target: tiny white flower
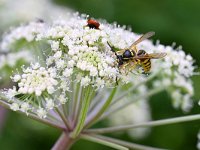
{"points": [[55, 45], [49, 61], [60, 63], [62, 99], [50, 89], [42, 113], [38, 92], [35, 66], [25, 107], [14, 106], [49, 104], [11, 92], [71, 63], [85, 81], [58, 54], [67, 72], [16, 78]]}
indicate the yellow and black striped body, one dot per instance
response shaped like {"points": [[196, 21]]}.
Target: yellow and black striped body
{"points": [[129, 58], [146, 65]]}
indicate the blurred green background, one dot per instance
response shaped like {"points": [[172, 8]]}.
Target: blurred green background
{"points": [[173, 21]]}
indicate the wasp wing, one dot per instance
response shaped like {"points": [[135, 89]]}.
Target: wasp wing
{"points": [[151, 56], [142, 38]]}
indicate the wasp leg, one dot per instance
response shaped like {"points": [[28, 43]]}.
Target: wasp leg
{"points": [[123, 67], [116, 79]]}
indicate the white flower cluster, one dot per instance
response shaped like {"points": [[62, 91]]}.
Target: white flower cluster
{"points": [[14, 12], [36, 80], [80, 54], [24, 32], [36, 84], [81, 50], [175, 71]]}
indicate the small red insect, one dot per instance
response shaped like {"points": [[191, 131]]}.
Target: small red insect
{"points": [[93, 24]]}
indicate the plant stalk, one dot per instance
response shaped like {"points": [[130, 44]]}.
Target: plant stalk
{"points": [[147, 124], [103, 142], [94, 118], [130, 145], [83, 113], [63, 143]]}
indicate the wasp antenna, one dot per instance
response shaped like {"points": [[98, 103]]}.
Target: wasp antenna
{"points": [[112, 49]]}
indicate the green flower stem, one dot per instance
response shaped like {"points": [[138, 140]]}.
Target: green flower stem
{"points": [[147, 124], [92, 119], [45, 121], [64, 119], [78, 106], [83, 114], [63, 143], [100, 95], [32, 116], [51, 116], [65, 110], [71, 98], [103, 142], [150, 93], [75, 100], [124, 143]]}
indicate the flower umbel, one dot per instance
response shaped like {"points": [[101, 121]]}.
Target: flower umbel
{"points": [[78, 81]]}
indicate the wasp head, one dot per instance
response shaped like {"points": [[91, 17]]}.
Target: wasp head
{"points": [[128, 54]]}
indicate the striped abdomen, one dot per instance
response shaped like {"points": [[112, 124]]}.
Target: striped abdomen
{"points": [[146, 65]]}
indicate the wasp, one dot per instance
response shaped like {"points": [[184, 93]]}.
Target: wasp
{"points": [[93, 24], [132, 57]]}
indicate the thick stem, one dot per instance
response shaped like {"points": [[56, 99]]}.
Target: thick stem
{"points": [[65, 120], [122, 144], [147, 124], [83, 114], [78, 105], [63, 143], [75, 100], [103, 142]]}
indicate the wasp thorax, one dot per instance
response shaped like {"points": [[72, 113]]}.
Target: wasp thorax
{"points": [[120, 60], [127, 54], [141, 52]]}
